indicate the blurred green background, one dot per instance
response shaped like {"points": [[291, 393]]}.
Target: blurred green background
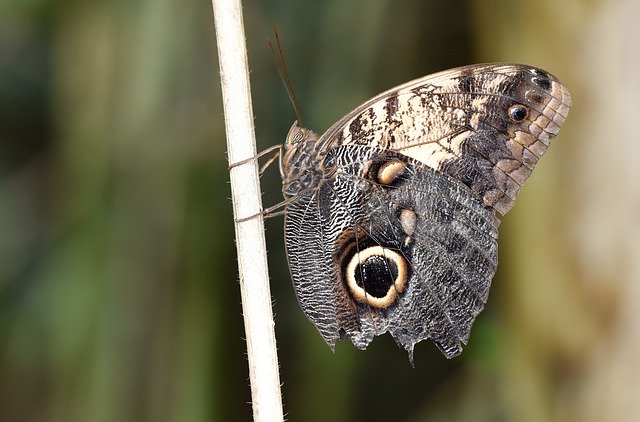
{"points": [[119, 298]]}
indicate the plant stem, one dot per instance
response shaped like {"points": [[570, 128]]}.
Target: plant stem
{"points": [[245, 192]]}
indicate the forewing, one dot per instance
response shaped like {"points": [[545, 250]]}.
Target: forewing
{"points": [[485, 125]]}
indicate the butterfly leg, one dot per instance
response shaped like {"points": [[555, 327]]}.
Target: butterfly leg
{"points": [[278, 154], [273, 211]]}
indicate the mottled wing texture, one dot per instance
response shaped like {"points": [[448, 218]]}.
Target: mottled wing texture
{"points": [[461, 123], [394, 229], [452, 252]]}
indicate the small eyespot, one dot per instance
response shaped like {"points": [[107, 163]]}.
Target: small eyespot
{"points": [[408, 221], [390, 172], [534, 97], [518, 112]]}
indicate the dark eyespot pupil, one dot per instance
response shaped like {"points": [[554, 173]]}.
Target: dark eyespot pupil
{"points": [[376, 275], [518, 113]]}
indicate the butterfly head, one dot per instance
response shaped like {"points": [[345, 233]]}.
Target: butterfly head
{"points": [[300, 161], [298, 136]]}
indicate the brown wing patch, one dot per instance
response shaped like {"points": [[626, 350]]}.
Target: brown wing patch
{"points": [[485, 125]]}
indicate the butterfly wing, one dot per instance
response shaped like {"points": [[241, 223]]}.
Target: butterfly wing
{"points": [[486, 125], [398, 231], [412, 252]]}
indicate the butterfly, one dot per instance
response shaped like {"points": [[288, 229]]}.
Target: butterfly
{"points": [[391, 215]]}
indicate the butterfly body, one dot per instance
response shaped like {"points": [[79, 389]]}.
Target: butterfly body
{"points": [[391, 224]]}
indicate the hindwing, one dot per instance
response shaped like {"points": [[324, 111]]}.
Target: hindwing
{"points": [[435, 247]]}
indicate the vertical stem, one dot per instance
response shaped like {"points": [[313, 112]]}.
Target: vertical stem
{"points": [[245, 191]]}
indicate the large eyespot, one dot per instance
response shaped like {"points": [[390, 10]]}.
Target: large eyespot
{"points": [[518, 112], [376, 276]]}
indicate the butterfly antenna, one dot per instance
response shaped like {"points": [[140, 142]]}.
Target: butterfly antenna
{"points": [[284, 74]]}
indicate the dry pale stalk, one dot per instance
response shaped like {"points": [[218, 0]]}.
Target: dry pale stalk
{"points": [[245, 191]]}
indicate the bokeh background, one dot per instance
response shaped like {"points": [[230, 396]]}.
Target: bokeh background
{"points": [[119, 298]]}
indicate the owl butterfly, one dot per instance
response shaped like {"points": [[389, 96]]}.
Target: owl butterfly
{"points": [[390, 222]]}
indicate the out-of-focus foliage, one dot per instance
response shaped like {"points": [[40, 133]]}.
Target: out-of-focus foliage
{"points": [[118, 287]]}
